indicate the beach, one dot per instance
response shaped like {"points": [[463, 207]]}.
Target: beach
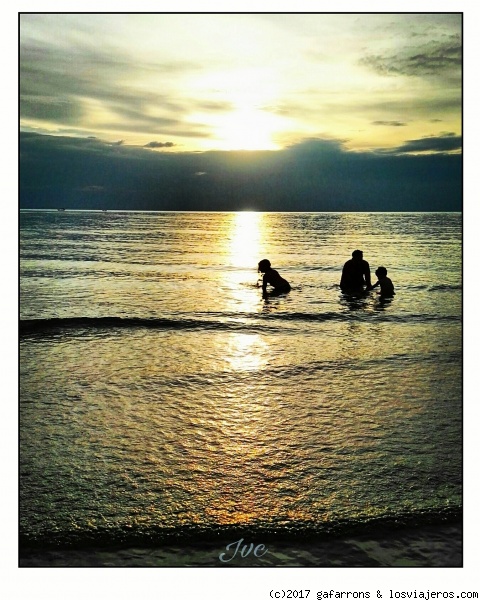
{"points": [[167, 409], [438, 546]]}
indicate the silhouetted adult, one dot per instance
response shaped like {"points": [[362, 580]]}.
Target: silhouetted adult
{"points": [[355, 273]]}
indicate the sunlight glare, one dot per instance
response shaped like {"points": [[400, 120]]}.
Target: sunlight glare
{"points": [[245, 246], [246, 118], [248, 129], [247, 352]]}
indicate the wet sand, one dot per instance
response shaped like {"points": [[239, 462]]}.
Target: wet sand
{"points": [[435, 546]]}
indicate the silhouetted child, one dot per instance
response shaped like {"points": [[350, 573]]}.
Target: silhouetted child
{"points": [[385, 283], [280, 285]]}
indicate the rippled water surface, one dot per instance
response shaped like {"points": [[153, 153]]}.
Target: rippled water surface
{"points": [[160, 395]]}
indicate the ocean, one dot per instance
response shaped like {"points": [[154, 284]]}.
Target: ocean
{"points": [[168, 411]]}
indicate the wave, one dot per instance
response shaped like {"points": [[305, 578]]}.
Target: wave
{"points": [[436, 288], [221, 321], [129, 535], [33, 326]]}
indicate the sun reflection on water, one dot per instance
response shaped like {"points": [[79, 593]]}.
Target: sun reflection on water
{"points": [[247, 352], [246, 411], [245, 239], [244, 247]]}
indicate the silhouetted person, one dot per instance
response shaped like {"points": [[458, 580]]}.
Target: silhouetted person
{"points": [[280, 285], [355, 273], [385, 283]]}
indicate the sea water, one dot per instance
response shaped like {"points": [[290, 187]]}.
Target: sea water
{"points": [[164, 401]]}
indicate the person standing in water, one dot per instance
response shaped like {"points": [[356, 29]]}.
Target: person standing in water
{"points": [[385, 283], [355, 273], [272, 277]]}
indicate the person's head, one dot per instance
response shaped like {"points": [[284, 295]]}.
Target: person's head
{"points": [[381, 272], [357, 255], [264, 265]]}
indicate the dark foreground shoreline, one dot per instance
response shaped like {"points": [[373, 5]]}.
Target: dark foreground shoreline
{"points": [[428, 546]]}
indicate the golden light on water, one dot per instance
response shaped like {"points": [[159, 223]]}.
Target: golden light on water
{"points": [[244, 244], [246, 239], [247, 352]]}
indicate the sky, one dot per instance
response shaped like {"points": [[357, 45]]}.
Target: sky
{"points": [[323, 111]]}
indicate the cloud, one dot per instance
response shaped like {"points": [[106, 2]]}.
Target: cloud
{"points": [[159, 145], [434, 58], [318, 146], [390, 123], [314, 175], [389, 110], [64, 87], [51, 109], [447, 142]]}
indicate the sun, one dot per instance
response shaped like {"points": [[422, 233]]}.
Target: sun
{"points": [[243, 109], [247, 129]]}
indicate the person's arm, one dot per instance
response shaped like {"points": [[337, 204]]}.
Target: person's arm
{"points": [[368, 279], [264, 284], [343, 277]]}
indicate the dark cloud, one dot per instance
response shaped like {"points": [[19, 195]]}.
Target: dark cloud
{"points": [[447, 142], [318, 147], [314, 175], [390, 123], [89, 65], [51, 109], [159, 145], [56, 87], [434, 58]]}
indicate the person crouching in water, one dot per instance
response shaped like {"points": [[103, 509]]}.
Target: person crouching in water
{"points": [[355, 274], [385, 283], [272, 277]]}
